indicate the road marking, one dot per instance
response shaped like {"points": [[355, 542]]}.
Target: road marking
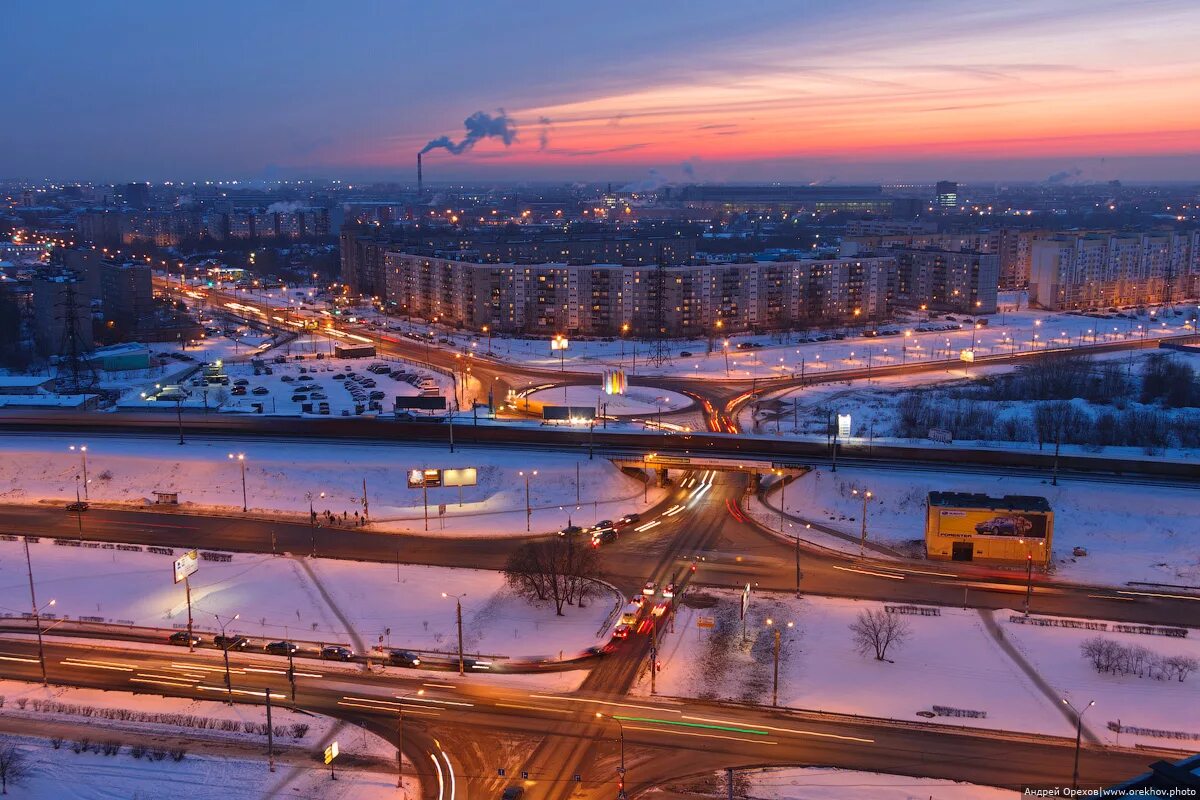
{"points": [[1158, 594], [871, 572], [791, 730], [702, 735]]}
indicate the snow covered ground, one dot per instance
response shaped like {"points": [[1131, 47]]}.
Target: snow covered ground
{"points": [[775, 355], [280, 476], [277, 597], [1131, 533], [636, 400], [811, 783], [820, 669]]}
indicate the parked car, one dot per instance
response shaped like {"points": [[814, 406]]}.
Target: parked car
{"points": [[333, 652], [260, 390], [281, 648], [78, 505], [403, 658], [231, 642], [181, 638]]}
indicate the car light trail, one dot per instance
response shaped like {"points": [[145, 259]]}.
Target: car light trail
{"points": [[535, 708], [605, 703], [1158, 594], [702, 735], [75, 662], [161, 683], [441, 779], [450, 770], [440, 685], [872, 572], [709, 725], [435, 700], [648, 525], [425, 712], [792, 730], [19, 658]]}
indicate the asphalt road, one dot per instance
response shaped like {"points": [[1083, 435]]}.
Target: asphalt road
{"points": [[476, 726]]}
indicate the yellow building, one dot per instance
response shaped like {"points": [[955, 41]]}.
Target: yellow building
{"points": [[961, 526]]}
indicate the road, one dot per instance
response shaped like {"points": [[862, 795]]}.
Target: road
{"points": [[476, 726]]}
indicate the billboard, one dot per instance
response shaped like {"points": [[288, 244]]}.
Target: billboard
{"points": [[998, 522], [186, 564], [459, 477], [568, 413], [436, 403], [843, 428], [424, 478], [614, 382]]}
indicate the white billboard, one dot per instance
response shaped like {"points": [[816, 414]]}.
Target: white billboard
{"points": [[186, 564], [459, 477], [843, 426]]}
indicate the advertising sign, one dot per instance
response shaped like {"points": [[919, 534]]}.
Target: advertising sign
{"points": [[706, 622], [843, 426], [967, 355], [331, 752], [421, 478], [991, 522], [559, 343], [186, 564], [614, 382], [745, 600], [459, 477]]}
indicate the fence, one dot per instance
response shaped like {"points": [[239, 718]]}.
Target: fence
{"points": [[922, 611], [1117, 727], [1116, 627], [948, 711]]}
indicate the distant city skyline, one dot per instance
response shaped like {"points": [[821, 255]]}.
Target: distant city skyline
{"points": [[1053, 91]]}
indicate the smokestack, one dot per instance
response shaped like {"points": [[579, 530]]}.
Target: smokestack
{"points": [[420, 178]]}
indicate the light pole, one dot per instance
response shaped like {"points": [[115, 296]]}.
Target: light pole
{"points": [[400, 738], [1078, 735], [83, 459], [862, 542], [778, 632], [241, 459], [528, 506], [458, 619], [37, 614], [225, 651], [621, 768]]}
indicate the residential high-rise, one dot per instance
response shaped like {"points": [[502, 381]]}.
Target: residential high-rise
{"points": [[127, 294], [61, 305], [946, 194]]}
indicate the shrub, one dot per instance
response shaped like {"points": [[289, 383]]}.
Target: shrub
{"points": [[137, 750], [56, 742], [299, 730]]}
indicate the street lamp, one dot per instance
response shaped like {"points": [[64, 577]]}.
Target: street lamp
{"points": [[778, 632], [862, 542], [1078, 735], [620, 769], [400, 736], [241, 459], [528, 507], [1028, 572], [225, 651], [83, 458], [458, 618]]}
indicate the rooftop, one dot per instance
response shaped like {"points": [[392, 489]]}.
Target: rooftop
{"points": [[1009, 502]]}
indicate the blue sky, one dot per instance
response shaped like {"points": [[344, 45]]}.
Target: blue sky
{"points": [[719, 90]]}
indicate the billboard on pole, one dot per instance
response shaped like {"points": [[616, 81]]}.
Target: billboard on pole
{"points": [[186, 564], [745, 600]]}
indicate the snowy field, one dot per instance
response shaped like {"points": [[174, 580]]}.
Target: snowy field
{"points": [[767, 355], [1131, 533], [636, 400], [876, 408], [800, 783], [280, 476], [820, 669], [277, 597]]}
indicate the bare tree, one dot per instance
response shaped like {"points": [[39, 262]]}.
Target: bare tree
{"points": [[14, 765], [553, 569], [1181, 666], [876, 631]]}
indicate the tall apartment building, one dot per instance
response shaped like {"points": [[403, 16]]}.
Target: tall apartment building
{"points": [[600, 299], [947, 280], [127, 294], [946, 194], [1107, 270]]}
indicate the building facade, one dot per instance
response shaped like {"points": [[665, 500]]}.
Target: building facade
{"points": [[1110, 270]]}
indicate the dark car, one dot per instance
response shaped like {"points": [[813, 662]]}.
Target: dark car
{"points": [[335, 652], [231, 642], [629, 519], [604, 537], [603, 525], [403, 658], [512, 793], [78, 505], [181, 638], [571, 530], [281, 648]]}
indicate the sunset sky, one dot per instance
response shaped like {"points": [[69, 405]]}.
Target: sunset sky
{"points": [[695, 90]]}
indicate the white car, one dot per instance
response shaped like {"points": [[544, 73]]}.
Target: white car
{"points": [[649, 589], [669, 591]]}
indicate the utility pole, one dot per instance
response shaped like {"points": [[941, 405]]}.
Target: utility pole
{"points": [[291, 673], [653, 655], [366, 504], [458, 619], [37, 617], [775, 686], [187, 590], [797, 562], [862, 542], [179, 416], [1078, 735], [270, 732]]}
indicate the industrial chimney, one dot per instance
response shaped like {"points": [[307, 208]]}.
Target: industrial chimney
{"points": [[420, 178]]}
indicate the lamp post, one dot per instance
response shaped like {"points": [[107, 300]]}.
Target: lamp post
{"points": [[241, 459], [1078, 735], [83, 459], [1028, 573], [458, 618], [37, 614], [528, 506], [225, 651], [862, 542], [621, 768], [400, 737], [778, 632]]}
